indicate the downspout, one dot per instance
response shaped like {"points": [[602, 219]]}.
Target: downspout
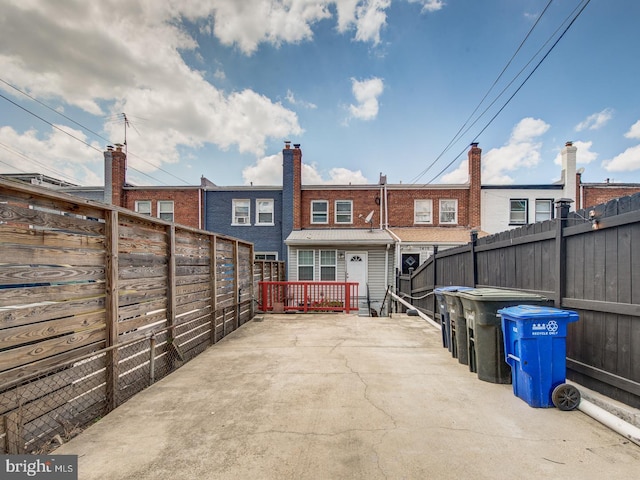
{"points": [[386, 206], [398, 242], [380, 208]]}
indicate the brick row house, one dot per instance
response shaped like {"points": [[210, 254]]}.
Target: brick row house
{"points": [[361, 233]]}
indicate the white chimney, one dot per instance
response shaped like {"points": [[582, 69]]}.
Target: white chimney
{"points": [[569, 171]]}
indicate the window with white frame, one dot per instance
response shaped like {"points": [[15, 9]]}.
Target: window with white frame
{"points": [[165, 210], [241, 210], [344, 211], [518, 211], [544, 209], [422, 211], [143, 207], [305, 265], [265, 256], [319, 211], [328, 266], [449, 211], [264, 209]]}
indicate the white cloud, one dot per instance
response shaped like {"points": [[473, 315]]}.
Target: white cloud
{"points": [[268, 171], [366, 93], [299, 103], [130, 61], [634, 131], [66, 158], [584, 155], [521, 151], [595, 121], [430, 5], [627, 161]]}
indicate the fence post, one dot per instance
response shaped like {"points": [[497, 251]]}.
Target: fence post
{"points": [[435, 279], [213, 284], [111, 307], [562, 210], [474, 262], [347, 297]]}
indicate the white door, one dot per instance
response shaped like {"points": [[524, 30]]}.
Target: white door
{"points": [[357, 270]]}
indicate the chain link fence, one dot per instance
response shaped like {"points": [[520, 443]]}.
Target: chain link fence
{"points": [[45, 410]]}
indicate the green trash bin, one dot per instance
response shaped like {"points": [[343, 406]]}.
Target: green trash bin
{"points": [[457, 324], [485, 343]]}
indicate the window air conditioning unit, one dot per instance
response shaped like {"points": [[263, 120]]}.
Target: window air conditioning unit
{"points": [[241, 220]]}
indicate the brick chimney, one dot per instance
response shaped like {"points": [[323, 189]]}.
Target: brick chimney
{"points": [[475, 184], [291, 188], [115, 170]]}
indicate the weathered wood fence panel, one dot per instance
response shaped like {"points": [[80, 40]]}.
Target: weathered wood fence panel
{"points": [[98, 302], [587, 261]]}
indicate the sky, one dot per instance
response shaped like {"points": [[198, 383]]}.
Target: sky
{"points": [[401, 88]]}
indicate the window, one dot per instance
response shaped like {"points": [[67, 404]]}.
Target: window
{"points": [[422, 211], [165, 210], [544, 210], [241, 212], [265, 256], [449, 211], [143, 207], [328, 265], [305, 264], [265, 212], [319, 211], [343, 211], [518, 211]]}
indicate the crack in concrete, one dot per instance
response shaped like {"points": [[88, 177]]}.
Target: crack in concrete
{"points": [[366, 394]]}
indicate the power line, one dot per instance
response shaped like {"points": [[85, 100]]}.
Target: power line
{"points": [[118, 116], [459, 132], [518, 89], [25, 157]]}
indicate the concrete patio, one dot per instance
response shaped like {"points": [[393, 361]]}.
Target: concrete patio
{"points": [[335, 396]]}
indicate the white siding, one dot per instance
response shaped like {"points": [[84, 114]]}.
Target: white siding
{"points": [[496, 206]]}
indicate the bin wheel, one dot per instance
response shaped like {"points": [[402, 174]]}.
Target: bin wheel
{"points": [[565, 397]]}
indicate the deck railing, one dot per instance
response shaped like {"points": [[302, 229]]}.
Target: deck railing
{"points": [[308, 296]]}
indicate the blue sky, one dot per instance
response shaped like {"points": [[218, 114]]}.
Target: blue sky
{"points": [[214, 88]]}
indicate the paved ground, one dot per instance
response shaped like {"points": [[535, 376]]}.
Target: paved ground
{"points": [[341, 397]]}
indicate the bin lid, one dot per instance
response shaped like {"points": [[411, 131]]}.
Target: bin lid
{"points": [[499, 295], [537, 312], [451, 288]]}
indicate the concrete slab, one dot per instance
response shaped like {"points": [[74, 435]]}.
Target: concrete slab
{"points": [[341, 397]]}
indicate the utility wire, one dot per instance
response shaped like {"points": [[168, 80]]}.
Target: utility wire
{"points": [[458, 133], [517, 90], [118, 116], [37, 162]]}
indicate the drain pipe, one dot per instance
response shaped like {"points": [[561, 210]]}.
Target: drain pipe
{"points": [[420, 314], [608, 419]]}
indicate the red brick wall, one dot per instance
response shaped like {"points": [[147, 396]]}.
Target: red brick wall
{"points": [[475, 185], [186, 205], [118, 174], [401, 205], [595, 195]]}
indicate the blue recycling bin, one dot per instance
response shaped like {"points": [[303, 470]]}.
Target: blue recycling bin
{"points": [[535, 347], [445, 319]]}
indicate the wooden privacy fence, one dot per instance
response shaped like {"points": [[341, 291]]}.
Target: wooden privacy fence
{"points": [[98, 302], [588, 261]]}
